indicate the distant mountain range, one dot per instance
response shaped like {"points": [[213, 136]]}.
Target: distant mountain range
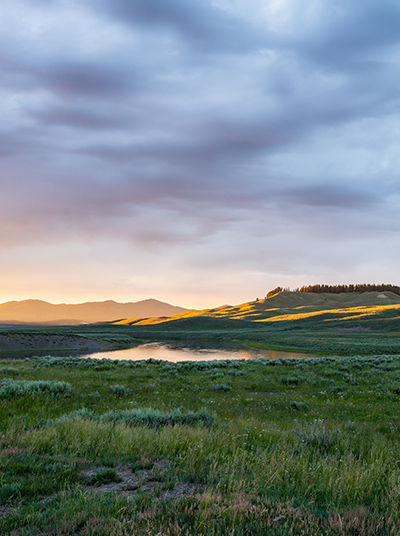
{"points": [[38, 311]]}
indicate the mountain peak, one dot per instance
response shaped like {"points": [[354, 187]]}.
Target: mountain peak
{"points": [[34, 310]]}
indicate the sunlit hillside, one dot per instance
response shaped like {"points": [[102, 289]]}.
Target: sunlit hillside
{"points": [[293, 306]]}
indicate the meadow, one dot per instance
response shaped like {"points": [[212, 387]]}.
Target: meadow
{"points": [[258, 447], [281, 447]]}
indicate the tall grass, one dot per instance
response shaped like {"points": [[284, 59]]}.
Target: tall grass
{"points": [[283, 465], [143, 417], [318, 456]]}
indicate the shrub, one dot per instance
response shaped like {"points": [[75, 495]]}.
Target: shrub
{"points": [[8, 492], [298, 406], [215, 375], [10, 370], [381, 361], [319, 437], [93, 394], [221, 387], [236, 372], [291, 380], [119, 390], [337, 389], [12, 388]]}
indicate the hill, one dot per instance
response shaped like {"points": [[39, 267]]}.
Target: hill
{"points": [[38, 311], [291, 306]]}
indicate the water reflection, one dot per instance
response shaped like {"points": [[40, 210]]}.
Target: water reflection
{"points": [[166, 353]]}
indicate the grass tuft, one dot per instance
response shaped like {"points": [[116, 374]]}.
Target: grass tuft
{"points": [[105, 476]]}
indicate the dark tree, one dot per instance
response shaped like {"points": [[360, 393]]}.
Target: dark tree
{"points": [[337, 289], [276, 290]]}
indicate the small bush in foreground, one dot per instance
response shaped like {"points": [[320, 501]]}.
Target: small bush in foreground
{"points": [[12, 388]]}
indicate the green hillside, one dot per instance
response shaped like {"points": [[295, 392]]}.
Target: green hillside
{"points": [[289, 307]]}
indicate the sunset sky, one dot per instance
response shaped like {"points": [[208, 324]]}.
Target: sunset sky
{"points": [[199, 152]]}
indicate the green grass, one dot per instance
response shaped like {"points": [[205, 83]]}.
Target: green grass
{"points": [[141, 417], [297, 447], [104, 477]]}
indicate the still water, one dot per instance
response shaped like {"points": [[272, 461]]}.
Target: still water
{"points": [[166, 353]]}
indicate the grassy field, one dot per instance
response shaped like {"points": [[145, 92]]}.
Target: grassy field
{"points": [[272, 448], [291, 447]]}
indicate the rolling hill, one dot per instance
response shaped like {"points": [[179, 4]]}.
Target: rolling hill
{"points": [[38, 311], [288, 306]]}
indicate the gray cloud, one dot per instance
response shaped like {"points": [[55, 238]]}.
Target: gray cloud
{"points": [[200, 23], [204, 130], [78, 118], [350, 33], [330, 195], [82, 79]]}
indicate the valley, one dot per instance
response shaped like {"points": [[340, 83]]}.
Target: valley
{"points": [[305, 442]]}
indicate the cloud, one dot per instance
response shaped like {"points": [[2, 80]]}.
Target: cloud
{"points": [[202, 24], [78, 117], [209, 133], [80, 79], [333, 196]]}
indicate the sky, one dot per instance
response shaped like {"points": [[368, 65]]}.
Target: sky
{"points": [[199, 152]]}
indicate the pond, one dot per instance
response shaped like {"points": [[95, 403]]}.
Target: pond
{"points": [[167, 353]]}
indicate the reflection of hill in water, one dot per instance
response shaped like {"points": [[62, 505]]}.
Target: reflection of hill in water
{"points": [[167, 353]]}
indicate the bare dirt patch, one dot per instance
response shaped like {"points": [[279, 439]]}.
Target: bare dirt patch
{"points": [[5, 509], [153, 481], [30, 342]]}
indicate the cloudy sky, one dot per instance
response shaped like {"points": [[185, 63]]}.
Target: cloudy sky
{"points": [[199, 152]]}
